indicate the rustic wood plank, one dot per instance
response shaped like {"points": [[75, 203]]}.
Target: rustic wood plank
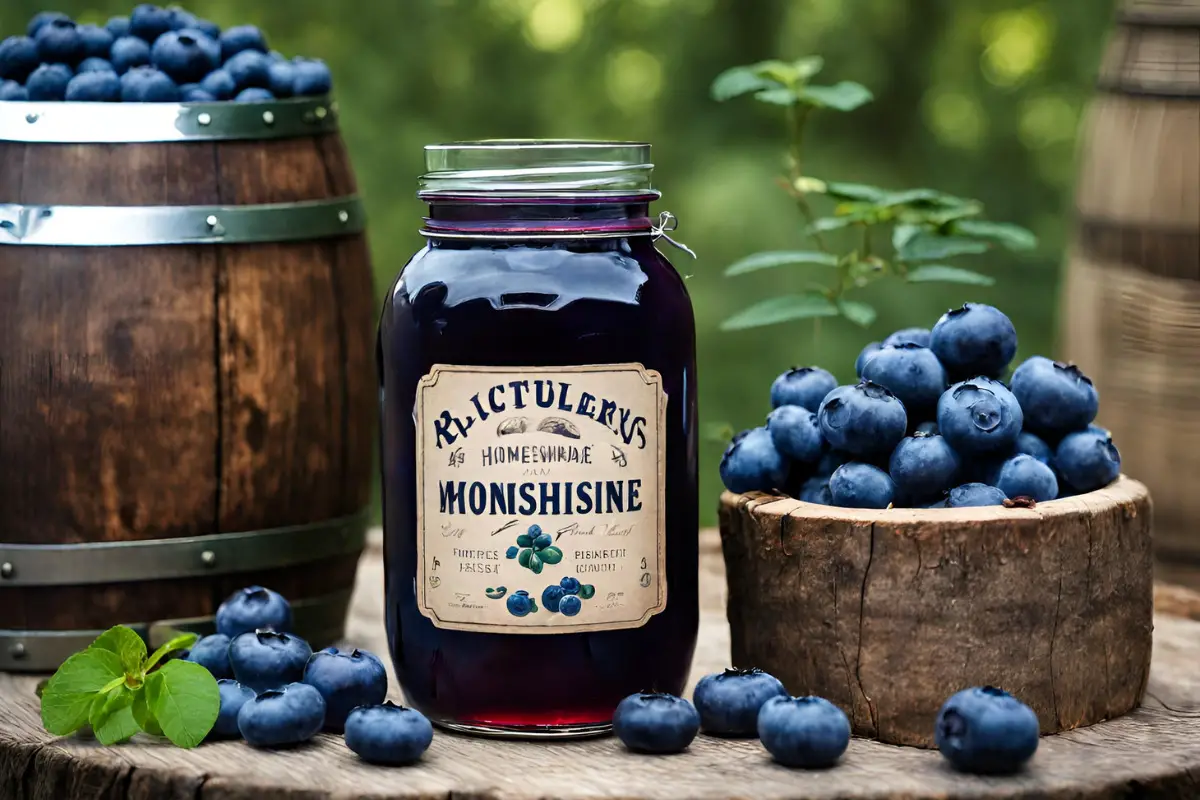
{"points": [[1154, 751]]}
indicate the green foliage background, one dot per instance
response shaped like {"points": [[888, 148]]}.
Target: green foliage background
{"points": [[980, 99]]}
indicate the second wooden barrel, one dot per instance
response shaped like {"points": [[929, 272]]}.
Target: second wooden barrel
{"points": [[187, 395], [1131, 297]]}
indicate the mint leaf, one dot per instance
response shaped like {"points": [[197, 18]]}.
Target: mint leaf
{"points": [[185, 700], [855, 191], [181, 642], [1013, 237], [126, 644], [781, 309], [67, 698], [778, 259], [143, 716], [842, 96], [860, 314], [926, 246], [737, 81], [551, 555], [111, 718], [903, 234], [939, 273]]}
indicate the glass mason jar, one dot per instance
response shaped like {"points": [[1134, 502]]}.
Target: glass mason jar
{"points": [[538, 389]]}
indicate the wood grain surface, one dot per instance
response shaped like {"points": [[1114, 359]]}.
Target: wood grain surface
{"points": [[1152, 753]]}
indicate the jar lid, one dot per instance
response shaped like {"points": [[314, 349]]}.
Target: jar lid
{"points": [[537, 168]]}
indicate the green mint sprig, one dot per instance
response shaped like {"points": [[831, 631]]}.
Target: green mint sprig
{"points": [[117, 689]]}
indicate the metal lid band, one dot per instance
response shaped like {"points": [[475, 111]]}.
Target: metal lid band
{"points": [[158, 559], [131, 123], [118, 226]]}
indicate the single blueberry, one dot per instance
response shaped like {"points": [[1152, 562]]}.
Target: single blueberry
{"points": [[288, 715], [148, 22], [240, 39], [796, 434], [346, 679], [974, 340], [912, 373], [1088, 460], [181, 18], [971, 495], [924, 467], [987, 731], [1057, 398], [728, 702], [816, 490], [653, 722], [42, 19], [521, 592], [865, 420], [808, 732], [551, 596], [233, 696], [918, 336], [570, 605], [60, 43], [219, 84], [210, 46], [802, 386], [118, 27], [1025, 476], [929, 426], [192, 93], [18, 58], [249, 69], [253, 608], [388, 734], [148, 85], [95, 65], [519, 604], [512, 551], [210, 29], [129, 52], [979, 417], [254, 95], [866, 355], [753, 464], [543, 541], [281, 78], [94, 87], [267, 660], [12, 91], [312, 78], [212, 653], [97, 41], [569, 585], [856, 485], [182, 56], [49, 82], [1032, 445]]}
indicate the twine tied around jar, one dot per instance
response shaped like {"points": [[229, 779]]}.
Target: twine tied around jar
{"points": [[669, 222]]}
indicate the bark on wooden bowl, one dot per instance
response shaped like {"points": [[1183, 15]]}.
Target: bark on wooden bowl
{"points": [[888, 613]]}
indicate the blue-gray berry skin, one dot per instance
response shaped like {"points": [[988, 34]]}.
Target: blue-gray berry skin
{"points": [[979, 417], [346, 679], [129, 52], [249, 69], [802, 386], [974, 340], [857, 485], [865, 420], [210, 29], [118, 27], [796, 434], [1033, 445], [807, 732], [918, 336], [864, 356], [1087, 460], [42, 19], [97, 41], [192, 93], [551, 597], [94, 87], [290, 714], [233, 696], [388, 734], [656, 723], [831, 461], [49, 82], [752, 463], [184, 55], [312, 78], [728, 702], [570, 605], [973, 495], [986, 731], [95, 65], [281, 77], [267, 660], [13, 92], [1057, 398], [1025, 476], [220, 84], [148, 22], [181, 18], [59, 42], [251, 609], [816, 490], [212, 653], [912, 373], [518, 604], [569, 585], [18, 58], [924, 466], [240, 39]]}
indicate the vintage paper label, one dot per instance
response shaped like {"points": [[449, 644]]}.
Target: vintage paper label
{"points": [[540, 497]]}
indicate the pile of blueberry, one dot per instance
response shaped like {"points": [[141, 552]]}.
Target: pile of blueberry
{"points": [[983, 730], [155, 55], [275, 691], [931, 424]]}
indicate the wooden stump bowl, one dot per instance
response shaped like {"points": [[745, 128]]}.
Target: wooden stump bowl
{"points": [[888, 613]]}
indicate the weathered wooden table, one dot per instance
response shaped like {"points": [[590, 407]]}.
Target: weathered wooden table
{"points": [[1151, 753]]}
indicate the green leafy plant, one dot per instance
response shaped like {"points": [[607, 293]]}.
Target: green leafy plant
{"points": [[927, 227], [117, 689], [537, 550]]}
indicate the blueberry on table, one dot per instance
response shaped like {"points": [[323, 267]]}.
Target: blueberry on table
{"points": [[974, 495], [281, 78], [866, 355], [918, 336], [183, 55], [249, 69], [519, 605], [265, 659], [192, 93], [241, 38], [974, 340], [987, 731], [857, 485], [212, 653], [117, 26], [912, 373], [60, 43], [656, 723], [94, 87], [96, 41], [1033, 445], [312, 78], [1056, 398], [979, 417], [95, 65], [291, 714], [220, 84], [251, 609], [551, 597], [1088, 460], [923, 466], [129, 52], [865, 420], [12, 91], [796, 433], [1025, 476], [44, 18], [148, 22], [569, 585], [728, 702], [49, 82], [233, 696], [570, 605], [816, 490], [18, 58], [753, 464], [148, 85], [388, 734], [346, 679], [808, 732], [802, 386]]}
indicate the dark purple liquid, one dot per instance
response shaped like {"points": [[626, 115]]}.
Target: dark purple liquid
{"points": [[557, 303]]}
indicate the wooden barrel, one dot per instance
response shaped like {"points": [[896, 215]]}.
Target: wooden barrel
{"points": [[1131, 295], [187, 399]]}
